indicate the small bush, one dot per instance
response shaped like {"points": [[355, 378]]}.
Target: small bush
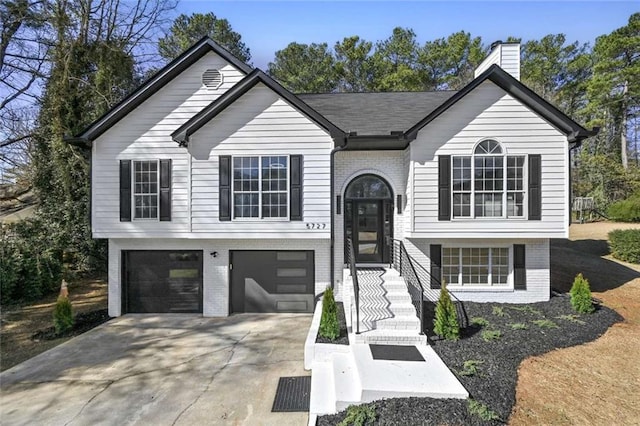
{"points": [[63, 315], [545, 323], [479, 409], [489, 335], [359, 415], [518, 326], [470, 367], [581, 295], [445, 323], [498, 311], [479, 321], [626, 210], [329, 325], [625, 244]]}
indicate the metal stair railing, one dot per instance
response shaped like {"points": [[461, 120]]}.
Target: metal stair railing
{"points": [[351, 260], [401, 262]]}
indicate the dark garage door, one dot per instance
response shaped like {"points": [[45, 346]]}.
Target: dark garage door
{"points": [[162, 281], [272, 281]]}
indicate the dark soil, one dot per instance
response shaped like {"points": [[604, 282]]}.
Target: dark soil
{"points": [[83, 323], [343, 338], [494, 382]]}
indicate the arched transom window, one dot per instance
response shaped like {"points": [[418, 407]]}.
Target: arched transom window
{"points": [[488, 183]]}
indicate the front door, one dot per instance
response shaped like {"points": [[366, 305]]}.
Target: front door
{"points": [[368, 232]]}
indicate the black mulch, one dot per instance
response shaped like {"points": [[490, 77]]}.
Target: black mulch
{"points": [[494, 383], [83, 323], [343, 338]]}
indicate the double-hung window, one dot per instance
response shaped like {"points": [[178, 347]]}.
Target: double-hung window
{"points": [[488, 183], [261, 187], [145, 189], [475, 266]]}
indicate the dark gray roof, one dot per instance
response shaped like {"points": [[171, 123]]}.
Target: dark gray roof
{"points": [[376, 113]]}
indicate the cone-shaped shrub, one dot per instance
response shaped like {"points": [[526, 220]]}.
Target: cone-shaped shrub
{"points": [[63, 315], [581, 295], [329, 325], [445, 324]]}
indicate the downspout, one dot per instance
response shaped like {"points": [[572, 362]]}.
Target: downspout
{"points": [[332, 208]]}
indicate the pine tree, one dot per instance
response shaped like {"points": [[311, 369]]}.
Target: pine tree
{"points": [[445, 323]]}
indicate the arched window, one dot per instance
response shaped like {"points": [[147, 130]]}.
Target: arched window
{"points": [[368, 186], [488, 183]]}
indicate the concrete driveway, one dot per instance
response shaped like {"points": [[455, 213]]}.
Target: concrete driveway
{"points": [[161, 370]]}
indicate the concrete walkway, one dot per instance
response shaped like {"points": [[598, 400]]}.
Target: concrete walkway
{"points": [[161, 370]]}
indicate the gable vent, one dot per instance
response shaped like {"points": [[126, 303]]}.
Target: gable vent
{"points": [[212, 79]]}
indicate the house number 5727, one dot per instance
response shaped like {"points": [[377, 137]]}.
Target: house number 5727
{"points": [[316, 225]]}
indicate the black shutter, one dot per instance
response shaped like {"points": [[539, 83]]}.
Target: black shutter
{"points": [[125, 190], [165, 190], [435, 253], [224, 187], [444, 187], [295, 187], [519, 268], [535, 197]]}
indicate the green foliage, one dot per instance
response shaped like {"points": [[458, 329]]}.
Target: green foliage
{"points": [[30, 262], [518, 326], [625, 244], [63, 315], [627, 210], [479, 409], [445, 323], [581, 295], [572, 318], [545, 323], [354, 65], [498, 311], [186, 30], [470, 367], [479, 321], [359, 415], [490, 335], [329, 325], [305, 68]]}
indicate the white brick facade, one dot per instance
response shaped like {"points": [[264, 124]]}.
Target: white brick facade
{"points": [[215, 287]]}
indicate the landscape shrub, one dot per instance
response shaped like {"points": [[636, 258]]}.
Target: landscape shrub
{"points": [[581, 295], [359, 415], [481, 410], [489, 335], [329, 325], [625, 244], [63, 315], [445, 323], [626, 210]]}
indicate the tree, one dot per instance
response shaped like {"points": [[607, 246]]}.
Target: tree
{"points": [[614, 89], [304, 68], [395, 64], [186, 30], [445, 323], [354, 65]]}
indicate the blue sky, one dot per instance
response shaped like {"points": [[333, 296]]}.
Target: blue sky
{"points": [[268, 26]]}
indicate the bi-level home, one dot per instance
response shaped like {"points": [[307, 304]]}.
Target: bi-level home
{"points": [[220, 191]]}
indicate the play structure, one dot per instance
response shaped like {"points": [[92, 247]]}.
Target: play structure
{"points": [[584, 207]]}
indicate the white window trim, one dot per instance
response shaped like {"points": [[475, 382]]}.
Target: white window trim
{"points": [[133, 192], [505, 191], [288, 191], [508, 287]]}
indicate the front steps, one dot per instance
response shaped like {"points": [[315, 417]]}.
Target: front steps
{"points": [[356, 378], [387, 315]]}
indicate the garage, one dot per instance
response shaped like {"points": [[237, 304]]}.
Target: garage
{"points": [[162, 281], [265, 281]]}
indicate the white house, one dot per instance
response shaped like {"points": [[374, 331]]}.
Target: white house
{"points": [[221, 192]]}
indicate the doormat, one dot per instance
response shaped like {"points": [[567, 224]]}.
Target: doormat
{"points": [[292, 394], [396, 353]]}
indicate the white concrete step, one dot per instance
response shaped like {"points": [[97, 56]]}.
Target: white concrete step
{"points": [[405, 309], [399, 323], [392, 337], [323, 398], [346, 380]]}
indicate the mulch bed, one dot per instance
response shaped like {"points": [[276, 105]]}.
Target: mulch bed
{"points": [[494, 382], [343, 338], [83, 323]]}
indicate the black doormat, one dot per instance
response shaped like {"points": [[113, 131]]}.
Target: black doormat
{"points": [[396, 353], [292, 394]]}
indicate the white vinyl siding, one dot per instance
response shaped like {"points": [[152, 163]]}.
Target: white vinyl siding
{"points": [[488, 112], [260, 124], [145, 134], [506, 56]]}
